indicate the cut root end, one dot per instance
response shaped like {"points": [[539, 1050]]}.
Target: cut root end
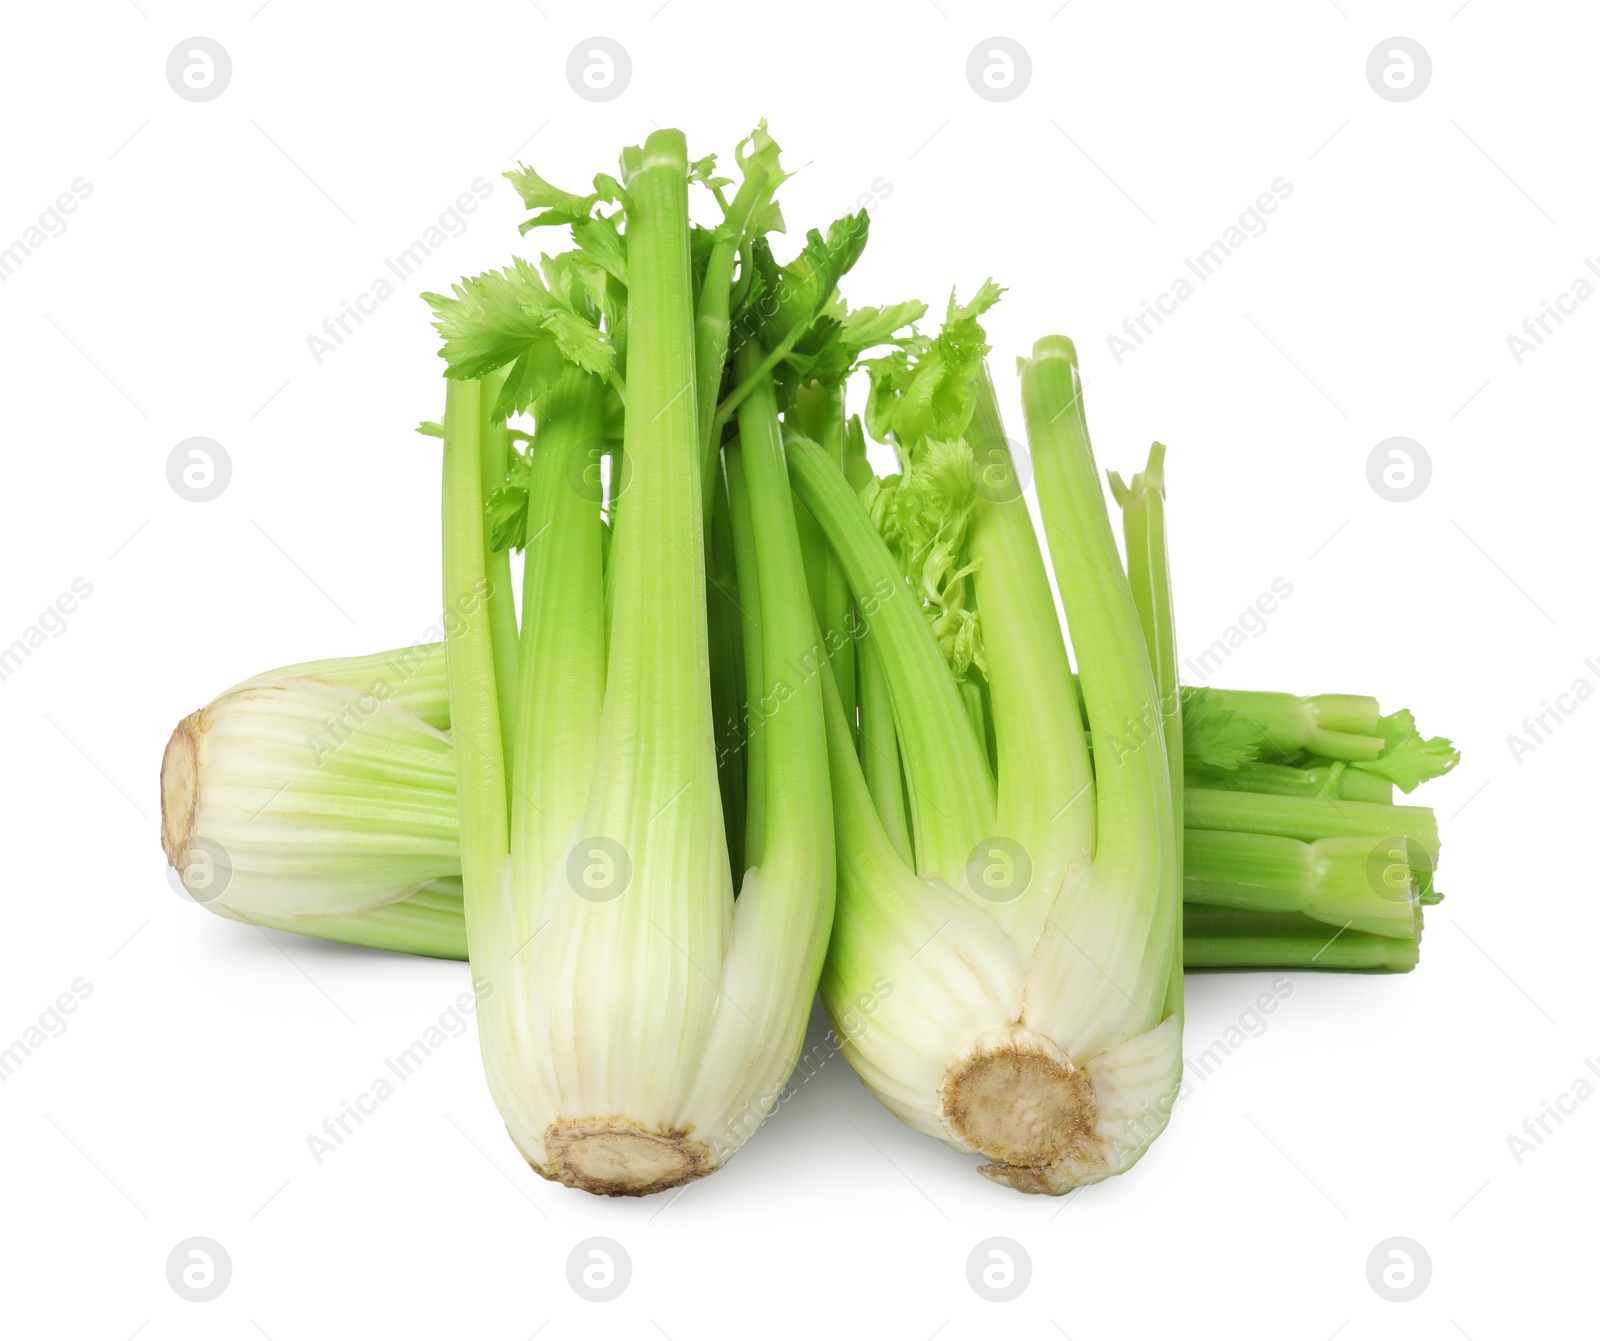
{"points": [[180, 787], [616, 1158], [1019, 1101]]}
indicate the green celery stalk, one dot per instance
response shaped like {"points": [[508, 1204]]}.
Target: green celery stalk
{"points": [[879, 746], [1336, 780], [819, 414], [1235, 938], [1336, 726], [1351, 882], [1309, 818], [1143, 504], [726, 643]]}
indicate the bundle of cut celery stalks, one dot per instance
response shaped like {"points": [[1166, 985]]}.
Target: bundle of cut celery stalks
{"points": [[765, 719]]}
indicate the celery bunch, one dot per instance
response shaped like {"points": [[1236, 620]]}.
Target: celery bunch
{"points": [[763, 719]]}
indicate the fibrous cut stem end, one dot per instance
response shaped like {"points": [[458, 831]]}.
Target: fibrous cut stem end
{"points": [[180, 787], [1021, 1102], [613, 1157]]}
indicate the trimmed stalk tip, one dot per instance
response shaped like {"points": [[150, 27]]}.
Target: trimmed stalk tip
{"points": [[1055, 347]]}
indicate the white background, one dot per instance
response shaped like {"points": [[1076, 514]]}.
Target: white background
{"points": [[217, 238]]}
